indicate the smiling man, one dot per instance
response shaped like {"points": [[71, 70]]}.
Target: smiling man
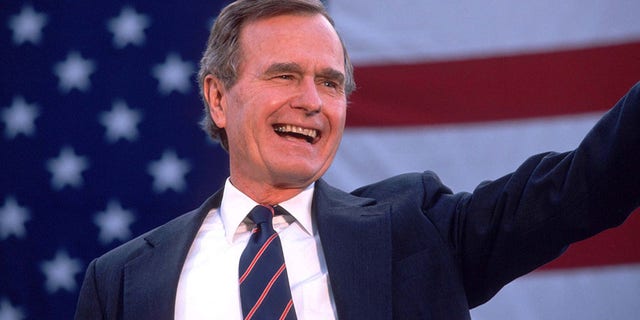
{"points": [[285, 114], [277, 242]]}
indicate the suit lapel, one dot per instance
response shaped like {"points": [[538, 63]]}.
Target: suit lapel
{"points": [[356, 239], [151, 279]]}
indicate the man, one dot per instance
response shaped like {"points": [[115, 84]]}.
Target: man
{"points": [[275, 80]]}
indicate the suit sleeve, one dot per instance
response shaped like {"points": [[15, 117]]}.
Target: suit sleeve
{"points": [[510, 226], [89, 306]]}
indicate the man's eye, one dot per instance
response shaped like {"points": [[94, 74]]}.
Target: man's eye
{"points": [[330, 84], [285, 77]]}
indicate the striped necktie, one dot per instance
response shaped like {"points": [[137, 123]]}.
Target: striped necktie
{"points": [[264, 286]]}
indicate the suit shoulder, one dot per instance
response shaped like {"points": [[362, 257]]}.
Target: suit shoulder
{"points": [[116, 258], [426, 184]]}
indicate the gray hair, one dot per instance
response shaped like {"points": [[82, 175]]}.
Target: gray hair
{"points": [[222, 55]]}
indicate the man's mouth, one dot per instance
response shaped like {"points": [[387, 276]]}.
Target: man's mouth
{"points": [[310, 135]]}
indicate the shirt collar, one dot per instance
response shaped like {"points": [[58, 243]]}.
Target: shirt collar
{"points": [[300, 208], [236, 205]]}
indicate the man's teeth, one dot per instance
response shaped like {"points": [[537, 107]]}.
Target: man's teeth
{"points": [[298, 130]]}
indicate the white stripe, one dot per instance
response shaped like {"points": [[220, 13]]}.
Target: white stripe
{"points": [[382, 31], [462, 155], [585, 294]]}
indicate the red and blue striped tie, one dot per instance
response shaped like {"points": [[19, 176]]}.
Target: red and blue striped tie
{"points": [[264, 286]]}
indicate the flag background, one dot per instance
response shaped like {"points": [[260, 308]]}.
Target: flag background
{"points": [[470, 89], [99, 141]]}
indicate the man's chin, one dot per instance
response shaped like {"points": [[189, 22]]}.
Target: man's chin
{"points": [[297, 178]]}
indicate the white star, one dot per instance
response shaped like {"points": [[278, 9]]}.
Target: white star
{"points": [[173, 74], [19, 118], [12, 219], [74, 73], [168, 172], [27, 26], [60, 272], [120, 122], [128, 27], [9, 312], [67, 169], [113, 223]]}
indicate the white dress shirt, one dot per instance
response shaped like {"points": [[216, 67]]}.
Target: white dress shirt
{"points": [[208, 285]]}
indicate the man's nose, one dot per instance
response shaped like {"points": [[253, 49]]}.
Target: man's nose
{"points": [[308, 98]]}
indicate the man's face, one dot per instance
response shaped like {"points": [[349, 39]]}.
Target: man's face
{"points": [[285, 115]]}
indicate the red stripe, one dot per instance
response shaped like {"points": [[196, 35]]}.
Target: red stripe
{"points": [[255, 259], [265, 292], [612, 247], [286, 310], [498, 88]]}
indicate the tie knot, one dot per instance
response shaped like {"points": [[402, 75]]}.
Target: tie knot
{"points": [[261, 214]]}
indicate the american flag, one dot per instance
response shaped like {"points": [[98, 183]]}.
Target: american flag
{"points": [[98, 109], [470, 89], [100, 143]]}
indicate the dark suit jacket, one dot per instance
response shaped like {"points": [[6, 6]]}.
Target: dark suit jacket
{"points": [[407, 247]]}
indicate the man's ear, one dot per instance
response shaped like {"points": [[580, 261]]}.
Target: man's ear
{"points": [[214, 94]]}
